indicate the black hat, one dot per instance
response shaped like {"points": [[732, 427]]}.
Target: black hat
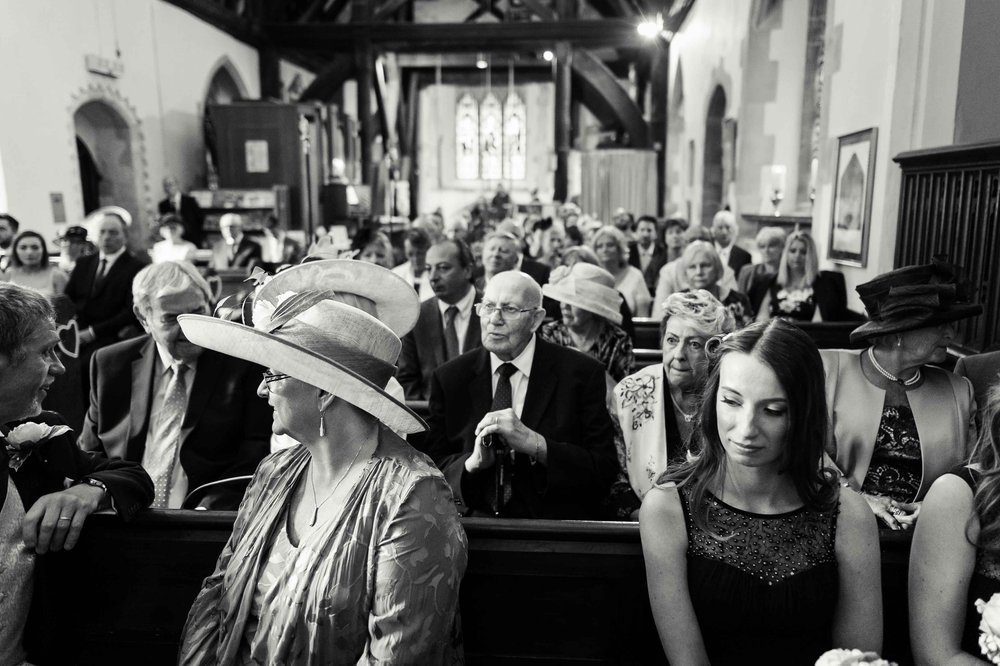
{"points": [[913, 297], [74, 233]]}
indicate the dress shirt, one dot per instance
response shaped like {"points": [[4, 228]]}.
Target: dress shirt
{"points": [[463, 316], [724, 253], [646, 255], [405, 271], [518, 380], [272, 249], [111, 259], [161, 378]]}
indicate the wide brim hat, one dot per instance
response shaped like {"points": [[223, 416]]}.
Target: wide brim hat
{"points": [[94, 218], [913, 297], [330, 345], [396, 303], [72, 233], [587, 287]]}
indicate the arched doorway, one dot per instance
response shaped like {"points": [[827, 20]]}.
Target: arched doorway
{"points": [[107, 167], [225, 87], [712, 185]]}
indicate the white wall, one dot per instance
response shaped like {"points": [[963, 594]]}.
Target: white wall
{"points": [[169, 57]]}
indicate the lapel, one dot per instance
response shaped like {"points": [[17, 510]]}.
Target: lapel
{"points": [[541, 385], [481, 386], [4, 472], [206, 377], [142, 389], [434, 332], [473, 334]]}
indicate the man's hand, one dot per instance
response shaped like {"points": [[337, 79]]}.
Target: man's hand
{"points": [[55, 520], [519, 437]]}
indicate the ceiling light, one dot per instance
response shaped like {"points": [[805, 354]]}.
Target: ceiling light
{"points": [[547, 56], [651, 27], [481, 62]]}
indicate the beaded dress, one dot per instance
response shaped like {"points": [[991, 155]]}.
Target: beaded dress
{"points": [[985, 581], [767, 591]]}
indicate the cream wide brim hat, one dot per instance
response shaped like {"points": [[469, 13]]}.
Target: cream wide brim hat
{"points": [[581, 286], [332, 346], [396, 303]]}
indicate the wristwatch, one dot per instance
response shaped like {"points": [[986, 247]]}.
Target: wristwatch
{"points": [[93, 482]]}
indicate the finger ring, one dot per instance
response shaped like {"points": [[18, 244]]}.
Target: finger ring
{"points": [[65, 518], [494, 420], [895, 510]]}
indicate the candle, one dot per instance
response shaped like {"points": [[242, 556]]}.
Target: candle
{"points": [[778, 178]]}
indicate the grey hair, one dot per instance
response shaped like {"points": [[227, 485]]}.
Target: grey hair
{"points": [[725, 217], [507, 236], [22, 311], [698, 247], [699, 307], [768, 235], [619, 238], [168, 277]]}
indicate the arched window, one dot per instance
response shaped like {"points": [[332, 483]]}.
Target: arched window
{"points": [[491, 138]]}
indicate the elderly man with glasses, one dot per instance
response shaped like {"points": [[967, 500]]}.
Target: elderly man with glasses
{"points": [[519, 427]]}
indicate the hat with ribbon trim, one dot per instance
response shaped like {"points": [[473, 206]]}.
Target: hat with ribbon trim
{"points": [[587, 287]]}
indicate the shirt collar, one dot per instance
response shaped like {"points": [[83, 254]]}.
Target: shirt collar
{"points": [[167, 361], [522, 361], [111, 258], [463, 304]]}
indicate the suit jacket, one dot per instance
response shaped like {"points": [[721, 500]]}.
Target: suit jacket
{"points": [[829, 292], [423, 349], [565, 403], [537, 270], [190, 212], [738, 258], [108, 308], [227, 427], [248, 254], [652, 272], [983, 370]]}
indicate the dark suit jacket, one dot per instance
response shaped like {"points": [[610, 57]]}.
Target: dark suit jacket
{"points": [[652, 272], [738, 258], [108, 308], [829, 291], [248, 253], [983, 370], [537, 270], [565, 403], [227, 427], [190, 212], [423, 349]]}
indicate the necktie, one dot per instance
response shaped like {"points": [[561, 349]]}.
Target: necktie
{"points": [[101, 270], [451, 335], [500, 492], [169, 421]]}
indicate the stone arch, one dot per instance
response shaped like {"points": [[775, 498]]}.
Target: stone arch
{"points": [[713, 171], [224, 84], [109, 125]]}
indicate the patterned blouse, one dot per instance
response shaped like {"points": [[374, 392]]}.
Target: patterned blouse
{"points": [[895, 469], [378, 585], [613, 347]]}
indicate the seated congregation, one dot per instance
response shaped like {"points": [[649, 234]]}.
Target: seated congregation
{"points": [[373, 429]]}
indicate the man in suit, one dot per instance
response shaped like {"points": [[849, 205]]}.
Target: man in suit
{"points": [[185, 206], [8, 230], [520, 427], [234, 249], [503, 251], [447, 325], [724, 233], [100, 288], [983, 370], [190, 416], [646, 252]]}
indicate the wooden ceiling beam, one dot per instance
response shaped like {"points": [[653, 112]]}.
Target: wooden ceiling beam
{"points": [[388, 8], [240, 27], [448, 37], [540, 10]]}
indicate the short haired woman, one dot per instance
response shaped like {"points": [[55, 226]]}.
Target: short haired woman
{"points": [[612, 251], [704, 269]]}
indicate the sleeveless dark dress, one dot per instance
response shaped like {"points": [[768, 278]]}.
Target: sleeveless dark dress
{"points": [[768, 591], [985, 581]]}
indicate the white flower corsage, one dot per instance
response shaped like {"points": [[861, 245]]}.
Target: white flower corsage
{"points": [[25, 438], [989, 628], [842, 657]]}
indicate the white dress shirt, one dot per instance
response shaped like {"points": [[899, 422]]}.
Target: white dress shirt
{"points": [[724, 253], [405, 271], [161, 378], [463, 316], [518, 380]]}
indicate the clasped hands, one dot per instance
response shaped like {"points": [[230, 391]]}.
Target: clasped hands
{"points": [[54, 522], [897, 515], [503, 423]]}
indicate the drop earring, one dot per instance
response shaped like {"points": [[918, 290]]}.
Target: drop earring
{"points": [[322, 424]]}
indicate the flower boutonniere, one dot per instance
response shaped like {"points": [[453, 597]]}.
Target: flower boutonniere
{"points": [[25, 438], [989, 628]]}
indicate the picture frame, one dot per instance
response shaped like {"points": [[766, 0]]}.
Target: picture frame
{"points": [[853, 185]]}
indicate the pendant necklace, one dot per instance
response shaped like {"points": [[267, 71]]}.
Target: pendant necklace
{"points": [[688, 418], [888, 375], [312, 483]]}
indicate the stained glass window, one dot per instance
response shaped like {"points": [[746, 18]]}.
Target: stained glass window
{"points": [[467, 138], [515, 143], [491, 137]]}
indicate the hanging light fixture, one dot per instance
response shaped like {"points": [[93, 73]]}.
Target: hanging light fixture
{"points": [[481, 62]]}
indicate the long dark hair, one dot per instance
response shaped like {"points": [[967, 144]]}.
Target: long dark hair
{"points": [[16, 260], [796, 362], [986, 499]]}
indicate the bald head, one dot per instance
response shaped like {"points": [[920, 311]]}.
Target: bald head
{"points": [[506, 334]]}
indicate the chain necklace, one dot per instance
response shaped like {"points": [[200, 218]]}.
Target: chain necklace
{"points": [[888, 375], [312, 483], [688, 418]]}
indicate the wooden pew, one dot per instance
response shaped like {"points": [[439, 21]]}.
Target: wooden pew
{"points": [[826, 334], [567, 592]]}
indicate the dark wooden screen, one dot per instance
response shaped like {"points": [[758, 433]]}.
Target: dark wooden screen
{"points": [[949, 204]]}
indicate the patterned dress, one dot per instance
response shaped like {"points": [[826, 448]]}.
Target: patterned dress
{"points": [[613, 347], [895, 470], [378, 585], [765, 588]]}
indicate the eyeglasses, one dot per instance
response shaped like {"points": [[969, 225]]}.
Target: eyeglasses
{"points": [[486, 309], [270, 377]]}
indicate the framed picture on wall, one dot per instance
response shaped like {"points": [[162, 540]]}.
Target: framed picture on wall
{"points": [[852, 198]]}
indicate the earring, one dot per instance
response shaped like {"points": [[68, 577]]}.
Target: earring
{"points": [[322, 424]]}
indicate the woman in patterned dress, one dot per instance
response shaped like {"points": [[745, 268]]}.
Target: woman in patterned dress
{"points": [[897, 422], [655, 408], [754, 554], [347, 548], [955, 557]]}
